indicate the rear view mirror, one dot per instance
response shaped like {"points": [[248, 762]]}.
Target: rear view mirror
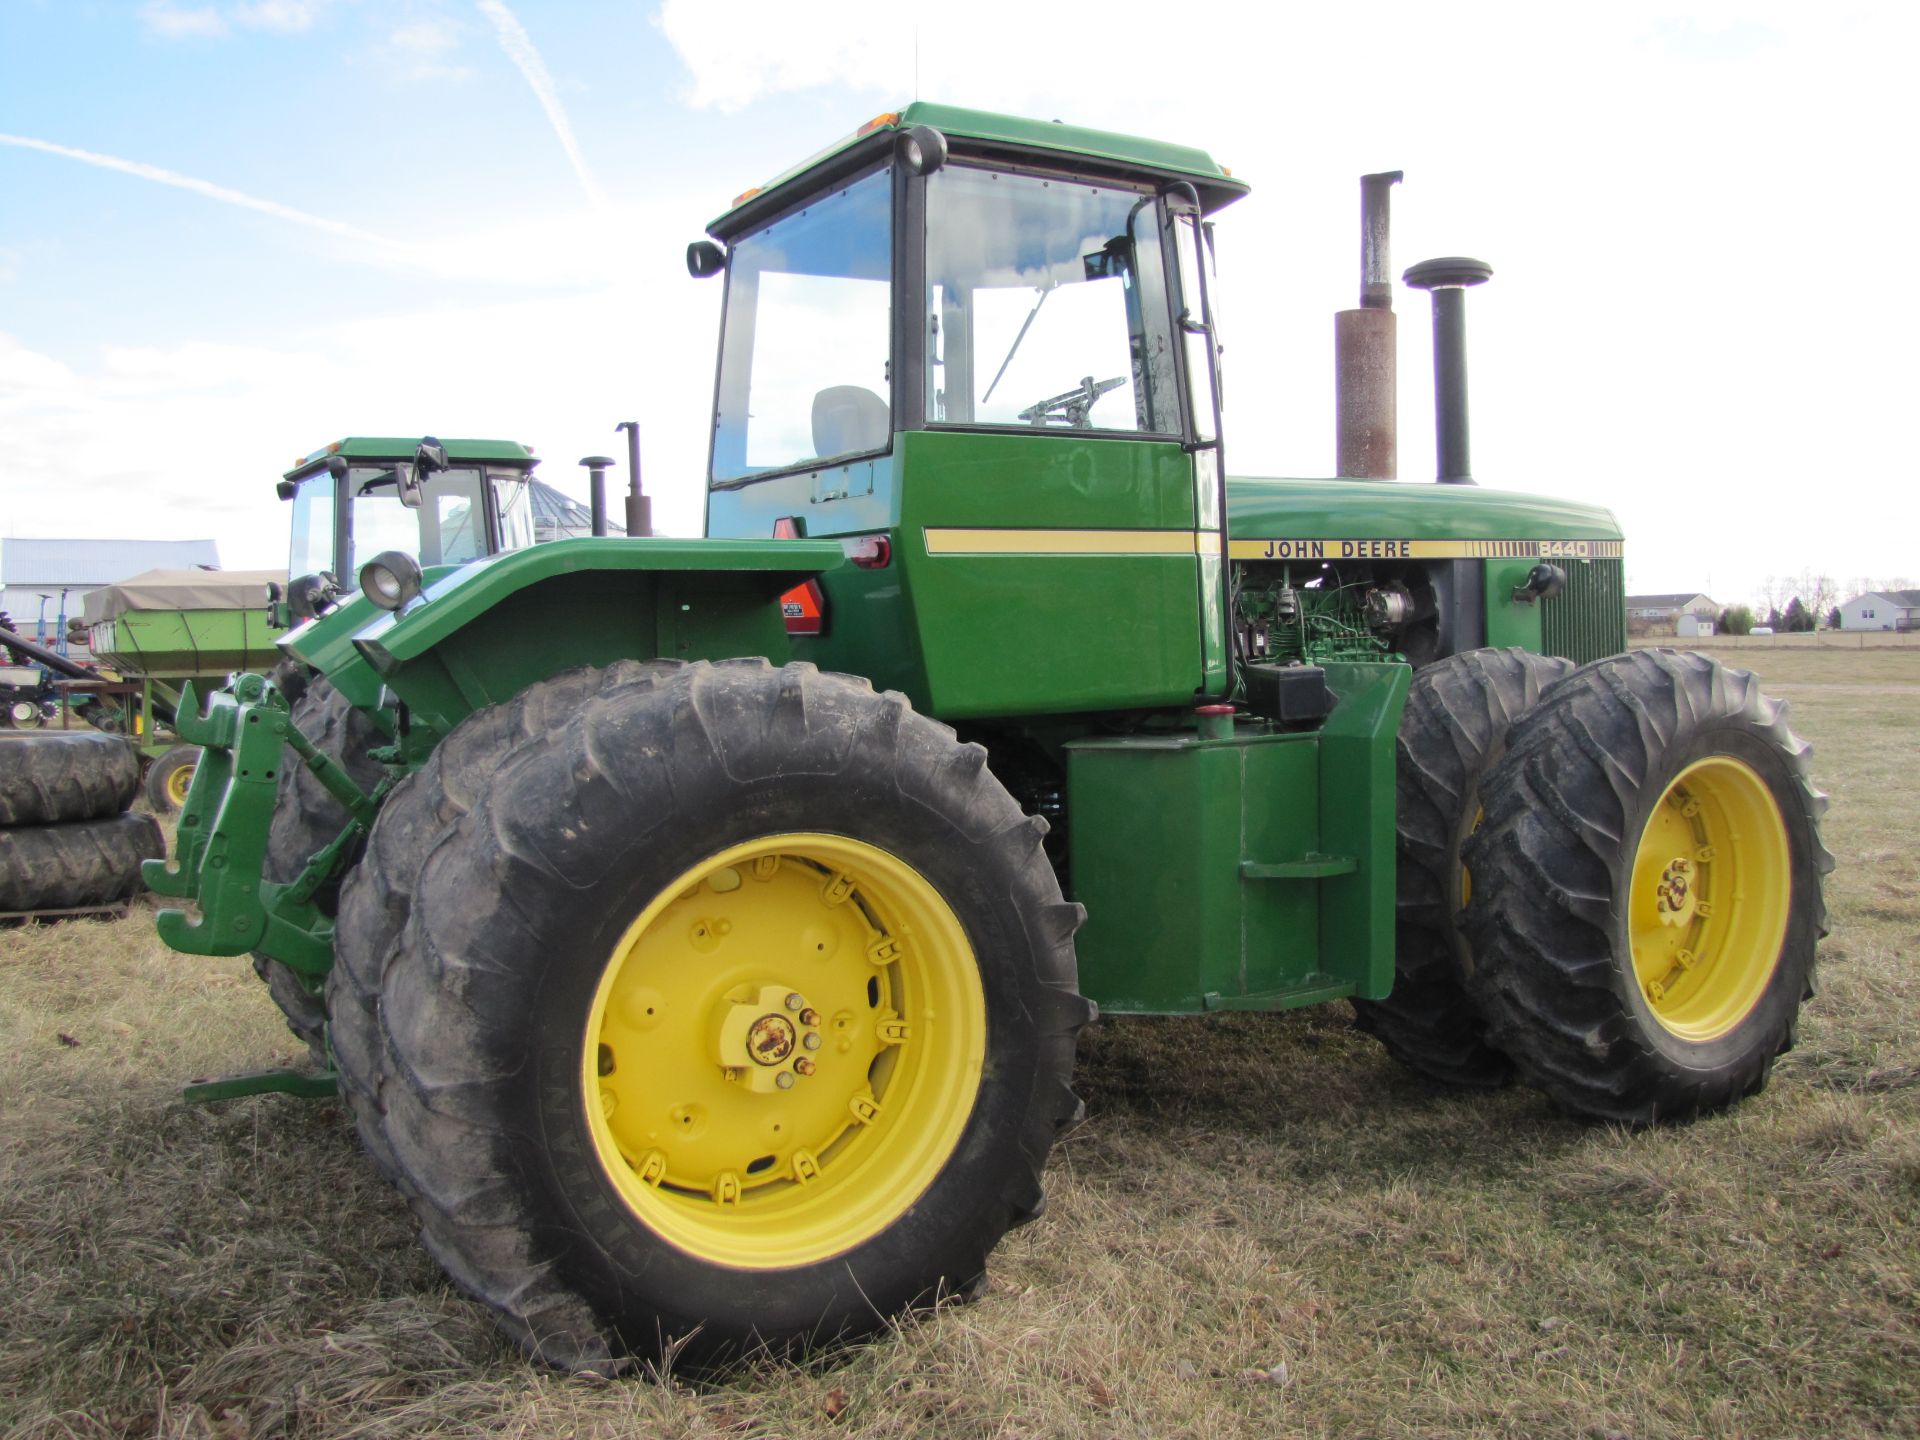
{"points": [[429, 456]]}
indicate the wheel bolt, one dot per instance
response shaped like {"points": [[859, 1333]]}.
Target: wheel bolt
{"points": [[795, 1002], [783, 1080], [812, 1042], [809, 1017], [803, 1065]]}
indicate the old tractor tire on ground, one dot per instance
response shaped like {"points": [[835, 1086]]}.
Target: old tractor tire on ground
{"points": [[1455, 726], [170, 777], [306, 818], [736, 1009], [76, 865], [61, 776], [1647, 889]]}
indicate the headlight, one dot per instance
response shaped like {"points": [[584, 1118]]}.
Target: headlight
{"points": [[390, 579]]}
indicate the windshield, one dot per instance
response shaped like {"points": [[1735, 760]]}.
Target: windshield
{"points": [[312, 549], [449, 528], [805, 351], [1045, 305]]}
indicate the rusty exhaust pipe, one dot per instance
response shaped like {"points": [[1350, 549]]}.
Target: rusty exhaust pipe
{"points": [[1365, 418], [1447, 280]]}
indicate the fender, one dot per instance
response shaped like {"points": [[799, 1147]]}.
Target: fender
{"points": [[483, 633]]}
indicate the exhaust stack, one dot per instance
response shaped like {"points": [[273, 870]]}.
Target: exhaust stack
{"points": [[639, 505], [597, 466], [1365, 419], [1447, 279]]}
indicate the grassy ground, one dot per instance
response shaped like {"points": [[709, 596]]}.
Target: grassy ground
{"points": [[1264, 1227]]}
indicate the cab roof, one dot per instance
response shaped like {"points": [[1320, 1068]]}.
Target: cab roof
{"points": [[401, 447], [987, 135]]}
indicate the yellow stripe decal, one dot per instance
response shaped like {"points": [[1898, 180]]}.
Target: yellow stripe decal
{"points": [[1394, 548], [1072, 542]]}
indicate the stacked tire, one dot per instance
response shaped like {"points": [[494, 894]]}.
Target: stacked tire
{"points": [[67, 841]]}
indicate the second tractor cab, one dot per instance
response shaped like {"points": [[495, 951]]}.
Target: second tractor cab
{"points": [[443, 502]]}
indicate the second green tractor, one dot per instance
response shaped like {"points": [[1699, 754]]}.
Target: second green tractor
{"points": [[699, 930]]}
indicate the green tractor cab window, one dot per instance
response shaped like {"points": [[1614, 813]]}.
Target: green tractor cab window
{"points": [[448, 528], [805, 373], [1046, 305]]}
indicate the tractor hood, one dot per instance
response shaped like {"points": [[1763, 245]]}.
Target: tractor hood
{"points": [[1355, 519]]}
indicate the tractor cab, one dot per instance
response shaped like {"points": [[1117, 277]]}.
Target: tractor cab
{"points": [[981, 347], [440, 502]]}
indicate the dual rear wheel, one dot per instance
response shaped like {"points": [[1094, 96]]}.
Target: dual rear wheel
{"points": [[1610, 881]]}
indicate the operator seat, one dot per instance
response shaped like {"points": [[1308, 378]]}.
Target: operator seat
{"points": [[849, 420]]}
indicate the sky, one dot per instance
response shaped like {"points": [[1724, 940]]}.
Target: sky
{"points": [[232, 231]]}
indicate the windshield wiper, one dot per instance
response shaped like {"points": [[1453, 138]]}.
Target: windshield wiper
{"points": [[1046, 291]]}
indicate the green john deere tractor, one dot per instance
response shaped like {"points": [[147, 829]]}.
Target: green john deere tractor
{"points": [[699, 929]]}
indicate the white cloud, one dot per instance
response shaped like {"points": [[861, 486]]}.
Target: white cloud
{"points": [[289, 17], [424, 37], [422, 50], [171, 22]]}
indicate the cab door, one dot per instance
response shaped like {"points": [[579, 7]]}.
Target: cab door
{"points": [[1053, 539]]}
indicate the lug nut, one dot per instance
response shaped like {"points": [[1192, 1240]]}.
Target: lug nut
{"points": [[803, 1066], [795, 1002], [809, 1017], [783, 1080], [812, 1042]]}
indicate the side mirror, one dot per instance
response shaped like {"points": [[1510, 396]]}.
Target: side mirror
{"points": [[429, 456], [337, 466], [705, 259], [285, 489], [922, 150]]}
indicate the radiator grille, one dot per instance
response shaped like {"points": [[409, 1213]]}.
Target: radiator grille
{"points": [[1587, 620]]}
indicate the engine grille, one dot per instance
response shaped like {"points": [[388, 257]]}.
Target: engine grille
{"points": [[1587, 620]]}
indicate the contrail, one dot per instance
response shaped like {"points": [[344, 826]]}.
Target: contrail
{"points": [[519, 47], [202, 187]]}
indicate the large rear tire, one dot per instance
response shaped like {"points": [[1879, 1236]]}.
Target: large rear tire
{"points": [[1647, 889], [709, 878], [1454, 729], [306, 818]]}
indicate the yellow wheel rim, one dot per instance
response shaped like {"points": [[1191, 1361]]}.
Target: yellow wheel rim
{"points": [[1707, 912], [783, 1050], [179, 780]]}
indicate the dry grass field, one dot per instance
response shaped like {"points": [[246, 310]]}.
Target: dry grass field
{"points": [[1264, 1228]]}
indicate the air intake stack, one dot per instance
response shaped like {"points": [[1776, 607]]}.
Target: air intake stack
{"points": [[1447, 279], [1365, 420]]}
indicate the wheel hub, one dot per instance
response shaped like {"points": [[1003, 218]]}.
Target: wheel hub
{"points": [[763, 1041], [1675, 897]]}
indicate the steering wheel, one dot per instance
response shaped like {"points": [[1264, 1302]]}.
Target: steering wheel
{"points": [[1072, 407]]}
